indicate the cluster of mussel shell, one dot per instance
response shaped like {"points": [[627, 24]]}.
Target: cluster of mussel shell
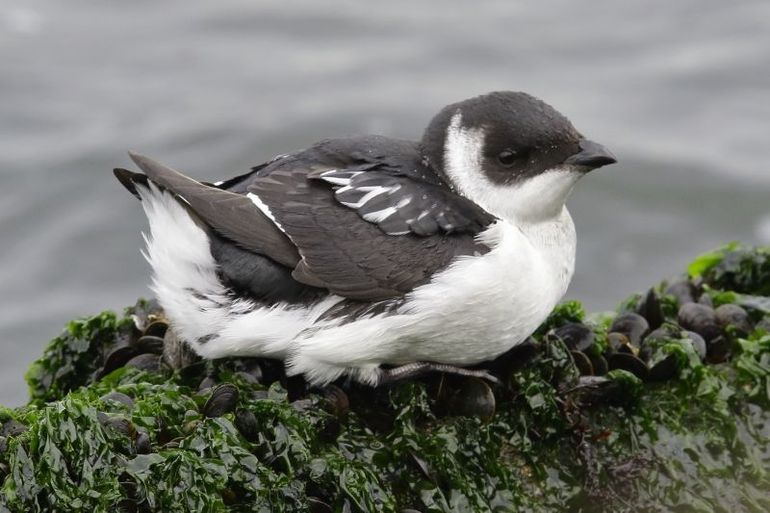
{"points": [[634, 335]]}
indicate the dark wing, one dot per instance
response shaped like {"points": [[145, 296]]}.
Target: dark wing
{"points": [[342, 252], [400, 204], [230, 214]]}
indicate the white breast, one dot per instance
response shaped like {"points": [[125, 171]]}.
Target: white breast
{"points": [[476, 309]]}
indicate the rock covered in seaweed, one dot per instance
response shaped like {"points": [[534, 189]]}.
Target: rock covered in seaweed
{"points": [[590, 415]]}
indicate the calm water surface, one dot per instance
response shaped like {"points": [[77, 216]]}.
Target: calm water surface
{"points": [[680, 92]]}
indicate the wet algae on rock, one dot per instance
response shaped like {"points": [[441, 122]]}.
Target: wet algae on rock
{"points": [[664, 406]]}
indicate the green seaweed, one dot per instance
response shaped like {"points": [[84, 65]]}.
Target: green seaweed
{"points": [[699, 442]]}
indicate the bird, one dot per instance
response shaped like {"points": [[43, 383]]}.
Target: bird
{"points": [[372, 258]]}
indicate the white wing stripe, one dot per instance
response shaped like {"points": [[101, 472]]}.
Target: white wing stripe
{"points": [[264, 209]]}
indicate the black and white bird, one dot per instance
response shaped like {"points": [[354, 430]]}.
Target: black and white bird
{"points": [[368, 251]]}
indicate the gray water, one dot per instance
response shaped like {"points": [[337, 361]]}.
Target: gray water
{"points": [[679, 90]]}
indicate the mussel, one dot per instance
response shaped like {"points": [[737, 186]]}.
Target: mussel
{"points": [[735, 316], [630, 363], [684, 292], [576, 336], [223, 400], [474, 399], [650, 308], [632, 325], [701, 319]]}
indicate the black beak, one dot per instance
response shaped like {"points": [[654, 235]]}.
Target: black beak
{"points": [[591, 155]]}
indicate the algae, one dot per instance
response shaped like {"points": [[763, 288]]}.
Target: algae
{"points": [[699, 442]]}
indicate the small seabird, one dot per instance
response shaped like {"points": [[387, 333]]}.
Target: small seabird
{"points": [[368, 251]]}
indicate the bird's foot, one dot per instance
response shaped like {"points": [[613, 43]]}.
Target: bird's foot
{"points": [[412, 370]]}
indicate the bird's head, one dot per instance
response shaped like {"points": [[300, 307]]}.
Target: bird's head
{"points": [[510, 153]]}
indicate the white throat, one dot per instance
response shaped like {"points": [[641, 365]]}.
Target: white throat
{"points": [[537, 199]]}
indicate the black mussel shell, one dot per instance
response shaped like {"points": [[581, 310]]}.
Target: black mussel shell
{"points": [[247, 424], [247, 377], [576, 336], [735, 316], [143, 444], [317, 505], [630, 363], [116, 359], [718, 349], [117, 423], [514, 359], [146, 362], [118, 397], [207, 383], [619, 343], [583, 363], [764, 324], [684, 292], [649, 308], [701, 319], [149, 344], [223, 400], [156, 329], [632, 325], [177, 354], [474, 399], [336, 401], [598, 364], [664, 332], [665, 369], [698, 343], [12, 427]]}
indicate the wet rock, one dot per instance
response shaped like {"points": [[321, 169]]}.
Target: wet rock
{"points": [[632, 325], [706, 300], [735, 316], [223, 400], [701, 319]]}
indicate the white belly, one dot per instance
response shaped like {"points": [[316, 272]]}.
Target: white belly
{"points": [[474, 310]]}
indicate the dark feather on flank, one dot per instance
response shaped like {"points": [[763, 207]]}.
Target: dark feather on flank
{"points": [[259, 277]]}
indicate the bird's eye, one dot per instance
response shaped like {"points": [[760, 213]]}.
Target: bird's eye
{"points": [[508, 157]]}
